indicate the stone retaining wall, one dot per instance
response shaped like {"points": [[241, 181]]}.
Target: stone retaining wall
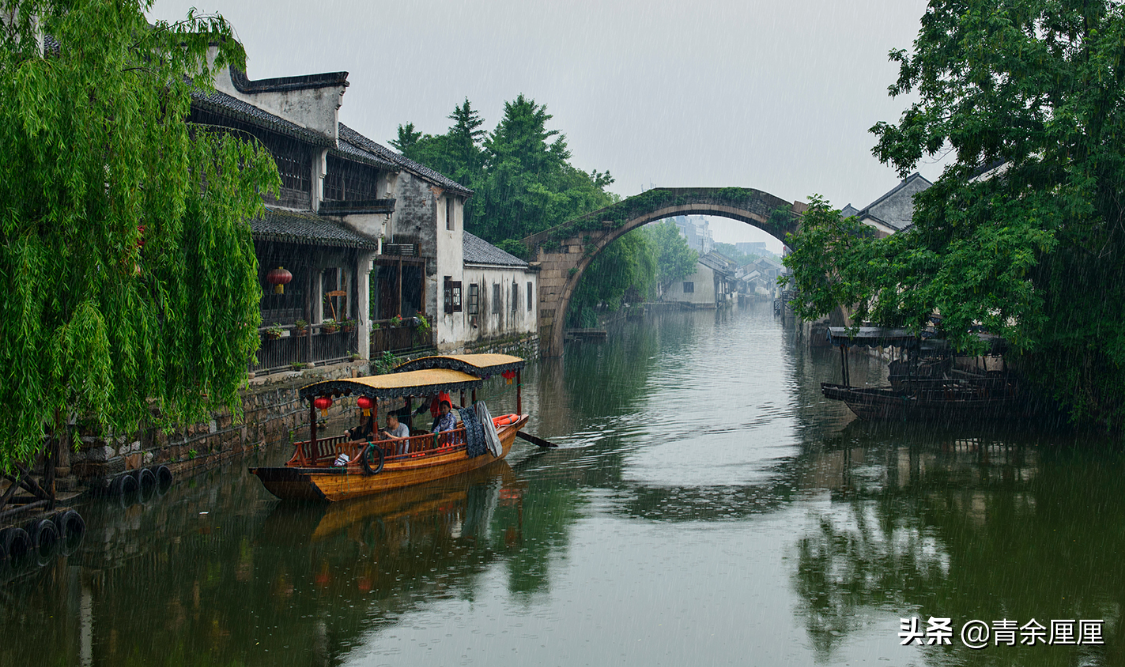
{"points": [[271, 411], [523, 345]]}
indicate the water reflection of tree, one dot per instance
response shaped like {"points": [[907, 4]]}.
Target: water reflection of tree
{"points": [[978, 528]]}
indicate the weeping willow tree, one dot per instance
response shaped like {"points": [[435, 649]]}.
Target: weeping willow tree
{"points": [[128, 280]]}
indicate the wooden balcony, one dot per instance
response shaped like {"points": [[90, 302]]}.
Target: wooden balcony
{"points": [[403, 338], [314, 347]]}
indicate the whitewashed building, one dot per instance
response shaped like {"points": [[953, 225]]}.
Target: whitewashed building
{"points": [[500, 292]]}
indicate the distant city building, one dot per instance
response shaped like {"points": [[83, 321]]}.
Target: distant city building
{"points": [[753, 248], [696, 231]]}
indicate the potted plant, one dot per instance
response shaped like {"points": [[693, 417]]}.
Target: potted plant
{"points": [[274, 332], [297, 366], [328, 326], [396, 321], [302, 327], [421, 327], [348, 326]]}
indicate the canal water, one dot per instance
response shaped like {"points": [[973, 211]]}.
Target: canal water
{"points": [[707, 507]]}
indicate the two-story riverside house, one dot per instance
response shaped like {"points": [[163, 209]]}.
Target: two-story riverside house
{"points": [[360, 240]]}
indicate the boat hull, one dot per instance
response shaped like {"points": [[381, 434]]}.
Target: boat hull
{"points": [[331, 484], [884, 404]]}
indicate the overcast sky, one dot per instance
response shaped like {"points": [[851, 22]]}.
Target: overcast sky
{"points": [[774, 95]]}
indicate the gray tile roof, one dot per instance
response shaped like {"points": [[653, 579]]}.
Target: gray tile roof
{"points": [[716, 262], [221, 103], [349, 151], [479, 251], [287, 83], [293, 227], [381, 152], [895, 209]]}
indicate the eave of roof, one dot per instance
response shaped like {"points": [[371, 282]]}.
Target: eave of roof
{"points": [[304, 228], [347, 151], [220, 103], [381, 152], [356, 206], [477, 251], [866, 212], [287, 83]]}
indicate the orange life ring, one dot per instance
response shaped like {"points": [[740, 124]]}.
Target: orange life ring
{"points": [[504, 420]]}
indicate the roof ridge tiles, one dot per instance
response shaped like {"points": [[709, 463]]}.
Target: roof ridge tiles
{"points": [[361, 142]]}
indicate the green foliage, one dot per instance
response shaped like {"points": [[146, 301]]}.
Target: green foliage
{"points": [[675, 259], [520, 172], [624, 270], [514, 247], [385, 363], [1033, 251], [96, 158]]}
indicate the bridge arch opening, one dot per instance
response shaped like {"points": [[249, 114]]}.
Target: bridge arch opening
{"points": [[563, 253]]}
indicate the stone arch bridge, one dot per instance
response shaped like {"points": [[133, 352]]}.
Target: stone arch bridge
{"points": [[564, 252]]}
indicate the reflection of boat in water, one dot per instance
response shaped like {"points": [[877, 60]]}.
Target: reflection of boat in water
{"points": [[466, 499], [315, 473]]}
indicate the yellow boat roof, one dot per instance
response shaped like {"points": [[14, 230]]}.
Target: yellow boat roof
{"points": [[413, 383], [477, 364]]}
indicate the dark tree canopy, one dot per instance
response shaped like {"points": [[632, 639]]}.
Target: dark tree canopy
{"points": [[128, 280], [1024, 233]]}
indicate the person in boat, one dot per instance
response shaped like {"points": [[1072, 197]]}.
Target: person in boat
{"points": [[445, 422], [397, 431], [433, 405], [364, 429]]}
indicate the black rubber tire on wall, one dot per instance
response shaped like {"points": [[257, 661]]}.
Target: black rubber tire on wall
{"points": [[367, 455], [44, 535], [163, 477], [124, 485], [146, 484], [146, 479], [70, 523], [47, 543], [16, 543]]}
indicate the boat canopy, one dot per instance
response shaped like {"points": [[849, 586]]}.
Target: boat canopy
{"points": [[483, 365], [413, 383], [887, 337], [871, 337]]}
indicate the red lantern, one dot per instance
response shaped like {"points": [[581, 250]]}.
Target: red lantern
{"points": [[279, 278], [322, 403], [365, 404]]}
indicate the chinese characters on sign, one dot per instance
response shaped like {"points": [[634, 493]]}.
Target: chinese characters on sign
{"points": [[978, 634]]}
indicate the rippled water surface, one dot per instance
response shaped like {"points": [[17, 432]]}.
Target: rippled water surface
{"points": [[707, 507]]}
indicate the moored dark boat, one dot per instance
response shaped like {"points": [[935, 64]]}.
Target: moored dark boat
{"points": [[886, 404]]}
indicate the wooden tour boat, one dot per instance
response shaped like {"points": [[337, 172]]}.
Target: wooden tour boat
{"points": [[377, 466], [925, 387]]}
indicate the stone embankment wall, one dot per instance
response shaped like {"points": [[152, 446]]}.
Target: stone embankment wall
{"points": [[521, 345], [271, 411]]}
